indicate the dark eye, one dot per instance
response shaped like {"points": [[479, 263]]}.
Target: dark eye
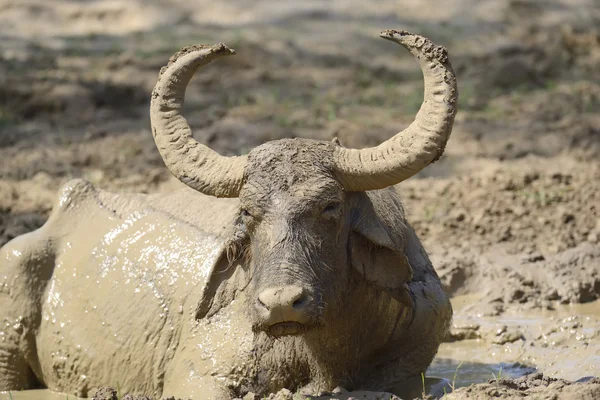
{"points": [[245, 213], [331, 207]]}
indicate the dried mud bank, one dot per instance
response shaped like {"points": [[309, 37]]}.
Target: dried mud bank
{"points": [[529, 281], [534, 387]]}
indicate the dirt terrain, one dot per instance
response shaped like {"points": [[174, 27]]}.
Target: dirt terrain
{"points": [[533, 386], [510, 215]]}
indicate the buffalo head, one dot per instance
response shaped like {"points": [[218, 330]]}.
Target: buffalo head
{"points": [[305, 222]]}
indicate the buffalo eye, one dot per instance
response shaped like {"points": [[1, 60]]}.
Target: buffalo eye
{"points": [[245, 213], [332, 207]]}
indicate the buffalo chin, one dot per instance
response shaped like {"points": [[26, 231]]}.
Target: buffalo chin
{"points": [[286, 328]]}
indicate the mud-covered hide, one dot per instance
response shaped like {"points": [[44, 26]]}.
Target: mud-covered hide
{"points": [[106, 286]]}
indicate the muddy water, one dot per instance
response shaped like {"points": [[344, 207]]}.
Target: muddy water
{"points": [[564, 342], [35, 395], [547, 337]]}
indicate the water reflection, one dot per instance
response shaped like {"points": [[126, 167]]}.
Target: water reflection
{"points": [[473, 372], [445, 373]]}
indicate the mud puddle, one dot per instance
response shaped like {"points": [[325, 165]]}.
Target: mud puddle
{"points": [[563, 342], [41, 394], [449, 372]]}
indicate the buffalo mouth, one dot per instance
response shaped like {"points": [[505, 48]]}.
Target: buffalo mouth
{"points": [[286, 328]]}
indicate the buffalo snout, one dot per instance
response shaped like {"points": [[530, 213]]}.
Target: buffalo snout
{"points": [[285, 310]]}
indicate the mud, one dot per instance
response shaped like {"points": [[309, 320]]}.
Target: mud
{"points": [[563, 342], [530, 281], [534, 386], [510, 214]]}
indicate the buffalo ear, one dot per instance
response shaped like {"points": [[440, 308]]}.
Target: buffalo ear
{"points": [[226, 279], [379, 265], [376, 249]]}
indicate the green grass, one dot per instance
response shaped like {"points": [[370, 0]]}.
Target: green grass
{"points": [[453, 385], [466, 93], [363, 77], [6, 118], [436, 209], [412, 102], [497, 378], [544, 198], [332, 111]]}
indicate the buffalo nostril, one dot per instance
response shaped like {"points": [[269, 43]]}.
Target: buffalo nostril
{"points": [[299, 302], [261, 304]]}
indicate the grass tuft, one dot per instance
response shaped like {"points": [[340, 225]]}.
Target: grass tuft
{"points": [[453, 386], [497, 378]]}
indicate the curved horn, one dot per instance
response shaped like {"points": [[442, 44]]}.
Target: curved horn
{"points": [[191, 162], [423, 142]]}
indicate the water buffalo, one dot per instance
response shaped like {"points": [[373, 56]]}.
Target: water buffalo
{"points": [[292, 267]]}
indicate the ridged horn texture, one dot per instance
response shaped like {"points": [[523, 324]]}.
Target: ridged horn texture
{"points": [[190, 161], [423, 142]]}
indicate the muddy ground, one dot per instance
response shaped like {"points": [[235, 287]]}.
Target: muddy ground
{"points": [[510, 214], [533, 386]]}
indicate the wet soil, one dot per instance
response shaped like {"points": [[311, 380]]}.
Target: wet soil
{"points": [[510, 215], [534, 386]]}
